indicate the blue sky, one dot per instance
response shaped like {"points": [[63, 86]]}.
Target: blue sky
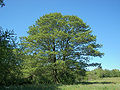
{"points": [[103, 16]]}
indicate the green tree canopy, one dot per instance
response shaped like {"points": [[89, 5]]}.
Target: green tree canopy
{"points": [[57, 38]]}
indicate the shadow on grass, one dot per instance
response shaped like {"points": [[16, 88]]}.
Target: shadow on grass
{"points": [[32, 87], [87, 83]]}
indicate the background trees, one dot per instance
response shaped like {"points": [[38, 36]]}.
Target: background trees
{"points": [[100, 73], [58, 44], [8, 61]]}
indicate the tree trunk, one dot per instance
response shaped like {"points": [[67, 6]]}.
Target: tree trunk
{"points": [[54, 70]]}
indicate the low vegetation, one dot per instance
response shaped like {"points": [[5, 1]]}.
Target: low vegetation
{"points": [[98, 84]]}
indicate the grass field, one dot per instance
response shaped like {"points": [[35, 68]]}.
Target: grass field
{"points": [[100, 84]]}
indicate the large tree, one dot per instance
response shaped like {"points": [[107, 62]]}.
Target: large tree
{"points": [[56, 39]]}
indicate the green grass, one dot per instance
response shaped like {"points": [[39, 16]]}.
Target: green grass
{"points": [[99, 84]]}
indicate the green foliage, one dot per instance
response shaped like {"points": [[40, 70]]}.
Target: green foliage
{"points": [[95, 74], [8, 62], [115, 73], [58, 49], [100, 73]]}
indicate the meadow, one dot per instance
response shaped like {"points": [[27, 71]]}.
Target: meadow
{"points": [[98, 84]]}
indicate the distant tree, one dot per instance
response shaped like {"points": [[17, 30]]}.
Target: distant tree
{"points": [[2, 3], [64, 44], [96, 73], [115, 73], [107, 73], [100, 73]]}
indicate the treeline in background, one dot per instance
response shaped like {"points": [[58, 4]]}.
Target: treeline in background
{"points": [[102, 73]]}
